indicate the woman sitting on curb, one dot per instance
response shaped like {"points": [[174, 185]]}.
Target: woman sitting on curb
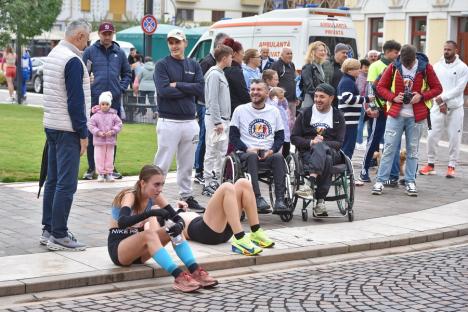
{"points": [[137, 234], [222, 219]]}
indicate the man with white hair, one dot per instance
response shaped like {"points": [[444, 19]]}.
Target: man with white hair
{"points": [[373, 55], [67, 100], [286, 70]]}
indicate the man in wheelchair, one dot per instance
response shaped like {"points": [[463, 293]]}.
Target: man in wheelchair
{"points": [[257, 134], [318, 134]]}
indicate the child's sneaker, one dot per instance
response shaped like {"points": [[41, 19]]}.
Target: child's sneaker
{"points": [[244, 246], [261, 239], [101, 178], [110, 177], [185, 283]]}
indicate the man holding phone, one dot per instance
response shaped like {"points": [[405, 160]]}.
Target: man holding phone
{"points": [[257, 133]]}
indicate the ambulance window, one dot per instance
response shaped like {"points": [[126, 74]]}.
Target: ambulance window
{"points": [[331, 42], [202, 50]]}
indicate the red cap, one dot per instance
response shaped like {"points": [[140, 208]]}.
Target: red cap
{"points": [[106, 26]]}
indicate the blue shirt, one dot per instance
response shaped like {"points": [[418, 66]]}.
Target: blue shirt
{"points": [[75, 96], [115, 211]]}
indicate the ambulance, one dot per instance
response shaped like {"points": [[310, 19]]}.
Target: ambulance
{"points": [[294, 28]]}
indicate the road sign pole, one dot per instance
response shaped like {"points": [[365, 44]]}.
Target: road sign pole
{"points": [[148, 38]]}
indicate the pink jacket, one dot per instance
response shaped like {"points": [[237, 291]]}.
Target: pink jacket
{"points": [[102, 122]]}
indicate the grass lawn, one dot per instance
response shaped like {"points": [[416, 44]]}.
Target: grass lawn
{"points": [[22, 140]]}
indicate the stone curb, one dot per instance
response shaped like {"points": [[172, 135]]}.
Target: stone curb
{"points": [[99, 277]]}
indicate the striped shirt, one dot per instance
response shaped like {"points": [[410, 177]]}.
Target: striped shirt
{"points": [[349, 101]]}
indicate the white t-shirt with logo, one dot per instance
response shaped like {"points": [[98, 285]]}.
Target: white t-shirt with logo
{"points": [[321, 121], [257, 127], [408, 80]]}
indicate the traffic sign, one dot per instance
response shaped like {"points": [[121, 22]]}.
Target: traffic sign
{"points": [[149, 24]]}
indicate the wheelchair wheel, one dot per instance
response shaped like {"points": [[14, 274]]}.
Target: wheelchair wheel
{"points": [[344, 185], [229, 169], [286, 216], [305, 215]]}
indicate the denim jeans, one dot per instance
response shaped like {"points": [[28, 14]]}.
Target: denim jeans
{"points": [[349, 142], [376, 131], [393, 132], [200, 151], [360, 128], [62, 179]]}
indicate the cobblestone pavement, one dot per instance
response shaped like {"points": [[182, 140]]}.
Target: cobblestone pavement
{"points": [[436, 280], [21, 211]]}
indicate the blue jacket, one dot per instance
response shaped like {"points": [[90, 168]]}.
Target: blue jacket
{"points": [[179, 102], [110, 69]]}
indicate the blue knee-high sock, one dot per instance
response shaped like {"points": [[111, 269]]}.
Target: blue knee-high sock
{"points": [[165, 261], [185, 254]]}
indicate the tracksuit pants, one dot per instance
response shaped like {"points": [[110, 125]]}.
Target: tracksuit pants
{"points": [[214, 151], [104, 158], [453, 122], [179, 137]]}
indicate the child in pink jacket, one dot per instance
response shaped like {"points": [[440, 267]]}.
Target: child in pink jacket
{"points": [[104, 125]]}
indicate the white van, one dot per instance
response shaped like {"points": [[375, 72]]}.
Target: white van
{"points": [[294, 28]]}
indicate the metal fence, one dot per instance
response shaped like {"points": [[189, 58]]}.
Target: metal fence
{"points": [[138, 110]]}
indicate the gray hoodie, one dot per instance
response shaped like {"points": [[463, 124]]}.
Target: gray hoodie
{"points": [[146, 78], [217, 97]]}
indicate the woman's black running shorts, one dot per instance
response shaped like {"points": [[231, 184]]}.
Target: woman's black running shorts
{"points": [[202, 233]]}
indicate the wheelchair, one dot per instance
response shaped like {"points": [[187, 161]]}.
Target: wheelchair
{"points": [[233, 169], [342, 182]]}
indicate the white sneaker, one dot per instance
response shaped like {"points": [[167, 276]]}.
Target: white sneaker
{"points": [[378, 188], [110, 177], [320, 210], [305, 191], [411, 189], [101, 178]]}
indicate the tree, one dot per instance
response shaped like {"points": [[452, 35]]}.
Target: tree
{"points": [[26, 19]]}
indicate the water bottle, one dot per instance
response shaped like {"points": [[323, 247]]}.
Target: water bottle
{"points": [[175, 240]]}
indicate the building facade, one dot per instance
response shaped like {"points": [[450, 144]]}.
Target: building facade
{"points": [[426, 24], [185, 12]]}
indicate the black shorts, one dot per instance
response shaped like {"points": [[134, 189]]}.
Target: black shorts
{"points": [[202, 233], [116, 235]]}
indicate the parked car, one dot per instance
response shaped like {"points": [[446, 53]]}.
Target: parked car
{"points": [[36, 82]]}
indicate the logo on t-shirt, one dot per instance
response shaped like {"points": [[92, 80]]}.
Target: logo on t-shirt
{"points": [[260, 128]]}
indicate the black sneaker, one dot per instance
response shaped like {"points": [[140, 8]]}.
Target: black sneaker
{"points": [[392, 182], [402, 182], [88, 175], [117, 175], [199, 178], [210, 189], [194, 205], [262, 206], [280, 206]]}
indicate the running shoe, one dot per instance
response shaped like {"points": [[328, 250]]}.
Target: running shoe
{"points": [[68, 243], [320, 210], [203, 278], [117, 175], [244, 246], [186, 283], [88, 175], [208, 191], [411, 189], [364, 176], [377, 188], [44, 237], [101, 178], [450, 172], [427, 170], [262, 206], [305, 191], [194, 205], [261, 239], [392, 182], [199, 178], [110, 177]]}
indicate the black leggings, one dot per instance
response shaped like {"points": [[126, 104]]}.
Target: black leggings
{"points": [[202, 233]]}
